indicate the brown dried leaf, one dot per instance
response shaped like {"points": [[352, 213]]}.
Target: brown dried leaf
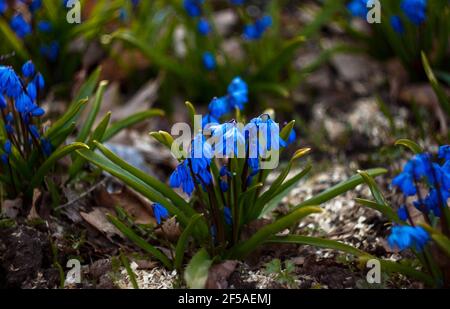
{"points": [[11, 208], [218, 275], [97, 218]]}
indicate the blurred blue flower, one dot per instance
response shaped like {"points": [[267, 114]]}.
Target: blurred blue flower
{"points": [[358, 8], [28, 69], [203, 27], [402, 213], [227, 215], [9, 82], [397, 25], [403, 237], [160, 212], [415, 10], [2, 102], [209, 62], [193, 7], [20, 26], [219, 107], [223, 186], [237, 93], [444, 152], [44, 26], [3, 6], [256, 30], [237, 2], [50, 51], [292, 137]]}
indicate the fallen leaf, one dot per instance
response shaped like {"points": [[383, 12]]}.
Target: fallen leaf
{"points": [[11, 208], [218, 275], [97, 218]]}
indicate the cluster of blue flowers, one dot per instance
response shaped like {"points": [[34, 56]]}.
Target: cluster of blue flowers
{"points": [[159, 212], [236, 97], [421, 170], [256, 30], [19, 108], [414, 10], [23, 27]]}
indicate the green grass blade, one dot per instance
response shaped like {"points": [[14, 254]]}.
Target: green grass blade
{"points": [[183, 241]]}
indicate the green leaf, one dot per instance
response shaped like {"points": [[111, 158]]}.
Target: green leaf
{"points": [[340, 188], [140, 242], [384, 209], [164, 138], [92, 115], [244, 248], [60, 136], [197, 270], [414, 147], [10, 37], [284, 133], [379, 198], [192, 112], [134, 182], [183, 241], [67, 119], [130, 272], [130, 121], [440, 92], [52, 160], [443, 242]]}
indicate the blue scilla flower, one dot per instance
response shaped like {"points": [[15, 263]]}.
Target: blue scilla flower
{"points": [[224, 171], [28, 69], [2, 102], [209, 120], [44, 26], [209, 61], [39, 81], [396, 24], [219, 107], [201, 154], [230, 140], [402, 213], [433, 201], [237, 2], [223, 186], [405, 182], [9, 82], [292, 137], [160, 212], [20, 26], [193, 7], [415, 10], [182, 177], [7, 147], [3, 6], [47, 147], [50, 51], [227, 215], [358, 8], [403, 237], [237, 93], [256, 30], [34, 5], [444, 152], [203, 27]]}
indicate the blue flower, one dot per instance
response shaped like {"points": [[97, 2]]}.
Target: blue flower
{"points": [[209, 62], [223, 186], [292, 137], [230, 140], [160, 212], [203, 27], [3, 6], [219, 107], [397, 25], [2, 102], [237, 2], [201, 154], [39, 81], [403, 237], [402, 213], [224, 171], [182, 177], [47, 147], [415, 10], [34, 5], [227, 215], [193, 7], [50, 51], [10, 82], [444, 152], [44, 26], [358, 8], [7, 147], [20, 26], [405, 182], [28, 69], [256, 30], [238, 93], [209, 119]]}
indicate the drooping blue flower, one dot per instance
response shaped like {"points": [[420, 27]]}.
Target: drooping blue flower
{"points": [[201, 155], [203, 27], [405, 182], [47, 147], [20, 26], [209, 120], [358, 8], [224, 171], [292, 137], [7, 147], [10, 82], [28, 69], [39, 81], [160, 212], [415, 10], [230, 141], [402, 213], [237, 93], [228, 216], [182, 177], [2, 102], [193, 7], [3, 6], [219, 107], [237, 2], [50, 51], [44, 26], [223, 186], [34, 5], [256, 30], [403, 237], [444, 152], [209, 61], [396, 24]]}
